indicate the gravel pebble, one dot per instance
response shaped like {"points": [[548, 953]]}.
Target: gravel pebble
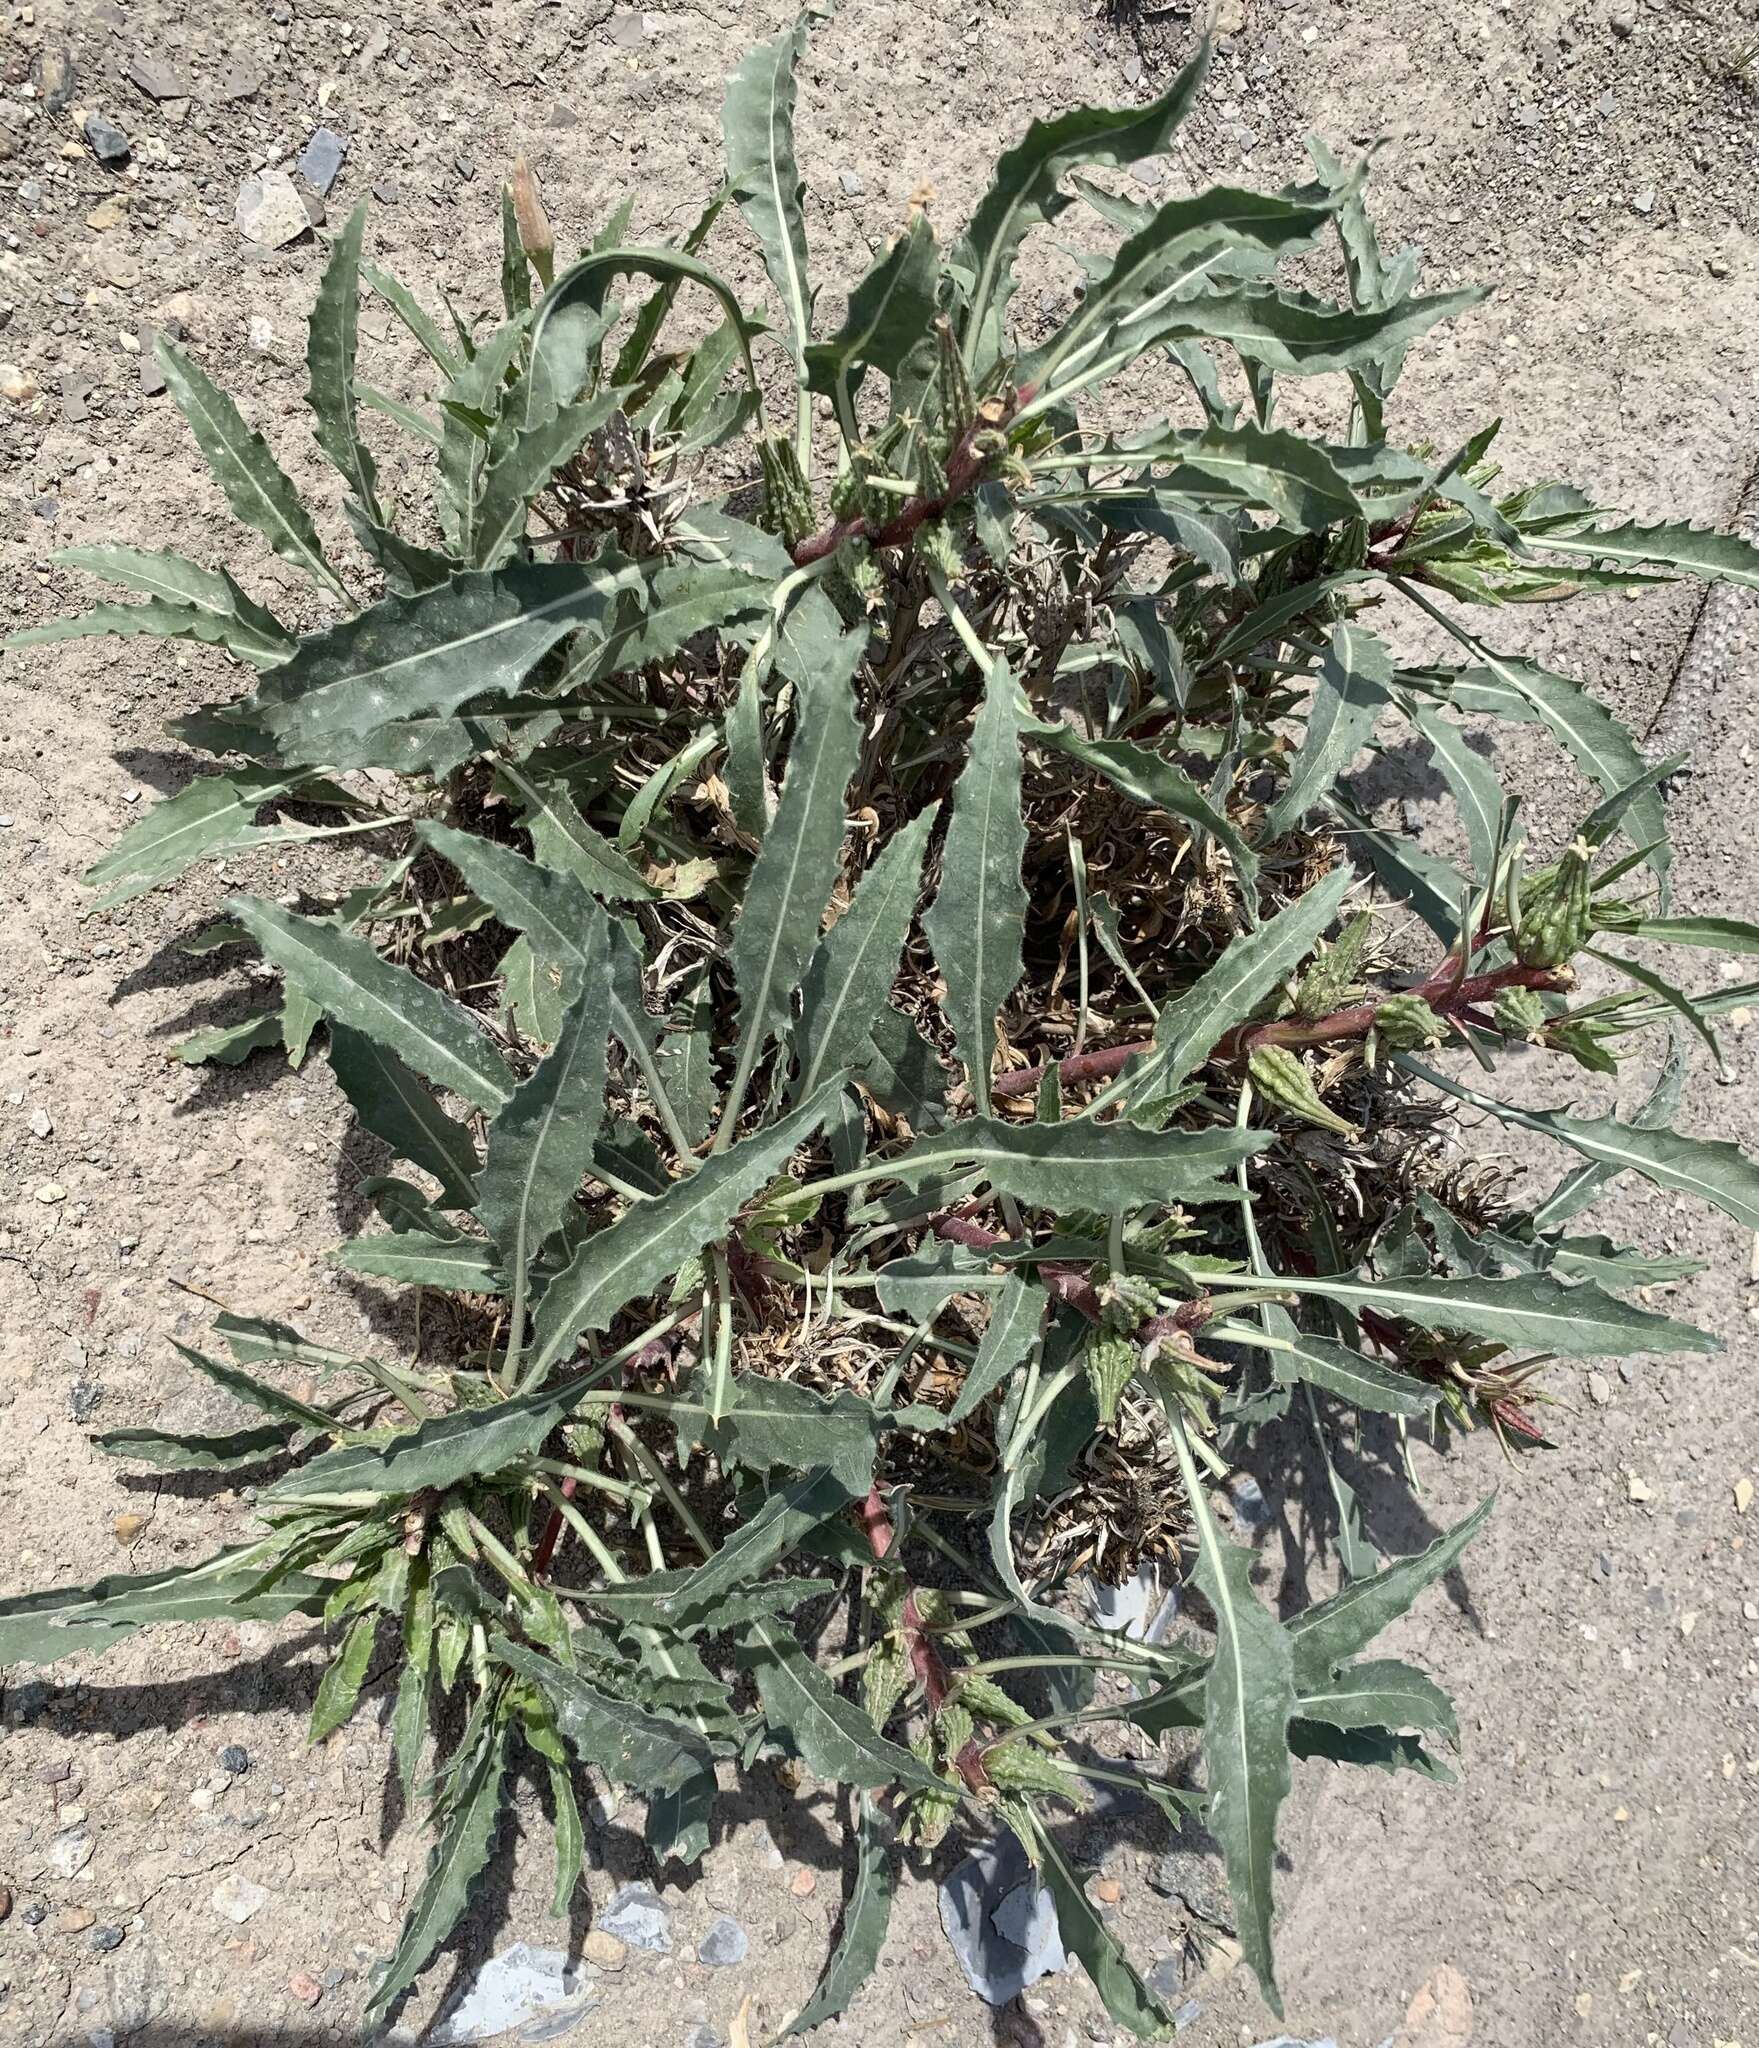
{"points": [[105, 140], [104, 1939], [635, 1915], [725, 1944], [234, 1760]]}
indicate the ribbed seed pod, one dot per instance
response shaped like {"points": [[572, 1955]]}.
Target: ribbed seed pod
{"points": [[1110, 1358], [1556, 914], [1328, 983], [1406, 1022], [1521, 1013], [787, 495], [1281, 1078]]}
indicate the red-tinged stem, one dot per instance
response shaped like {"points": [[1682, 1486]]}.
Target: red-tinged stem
{"points": [[1444, 992], [546, 1543], [964, 467], [1065, 1283]]}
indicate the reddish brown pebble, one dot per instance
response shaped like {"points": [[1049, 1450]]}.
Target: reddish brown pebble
{"points": [[803, 1884], [5, 1902], [74, 1920], [1108, 1891], [305, 1987]]}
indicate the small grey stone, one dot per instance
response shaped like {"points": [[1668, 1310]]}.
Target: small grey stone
{"points": [[853, 184], [1001, 1923], [34, 1914], [522, 1983], [104, 1939], [1623, 22], [626, 30], [158, 81], [1289, 2041], [1147, 174], [1191, 1871], [725, 1944], [703, 2036], [70, 1852], [562, 115], [634, 1914], [321, 159], [1644, 202], [105, 140], [152, 378], [1190, 2012], [55, 75], [235, 1759], [241, 80], [83, 1398], [238, 1899], [1167, 1976], [269, 210], [465, 167], [1132, 70], [385, 192]]}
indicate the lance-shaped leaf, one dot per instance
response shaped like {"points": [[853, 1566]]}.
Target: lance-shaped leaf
{"points": [[1598, 743], [630, 1746], [978, 915], [1693, 550], [1014, 1326], [889, 313], [541, 1144], [332, 341], [1149, 778], [214, 815], [190, 602], [1228, 992], [1477, 794], [258, 1394], [796, 866], [1328, 1634], [866, 1916], [394, 1105], [786, 1518], [348, 980], [1023, 192], [1365, 1749], [1294, 478], [563, 922], [478, 636], [757, 121], [416, 1258], [1341, 1370], [676, 600], [257, 488], [521, 461], [1348, 697], [1248, 1699], [1719, 934], [1529, 1311], [415, 317], [438, 1453], [566, 845], [922, 1282], [471, 1815], [832, 1735], [1086, 1936], [1382, 1693], [39, 1628], [1206, 235], [774, 1425], [161, 1451], [1108, 1166], [1708, 1168], [852, 969], [1409, 873], [652, 1241]]}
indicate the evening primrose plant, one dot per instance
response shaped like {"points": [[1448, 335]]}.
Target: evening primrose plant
{"points": [[899, 1045]]}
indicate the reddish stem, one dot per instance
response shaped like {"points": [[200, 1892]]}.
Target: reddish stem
{"points": [[964, 467], [1444, 992], [546, 1543]]}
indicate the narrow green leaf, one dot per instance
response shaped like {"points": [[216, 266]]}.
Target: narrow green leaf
{"points": [[1108, 1166], [1529, 1310], [229, 1045], [1380, 1694], [541, 1143], [414, 1258], [1708, 1168], [1014, 1326], [850, 976], [472, 1813], [393, 1104], [1326, 1635], [757, 122], [978, 916], [161, 1451], [678, 1819], [570, 1840], [350, 982], [39, 1628], [258, 1394], [408, 417], [630, 1746], [651, 1241], [339, 1688], [1348, 697], [889, 313], [1288, 475], [212, 816], [480, 635], [521, 462], [1228, 992], [1478, 795], [1248, 1700], [332, 341], [566, 845], [778, 1527], [1341, 1370], [866, 1917], [832, 1735], [796, 865], [1711, 557], [1086, 1936], [1023, 191], [439, 1453], [1718, 934], [238, 621], [419, 322], [256, 486]]}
